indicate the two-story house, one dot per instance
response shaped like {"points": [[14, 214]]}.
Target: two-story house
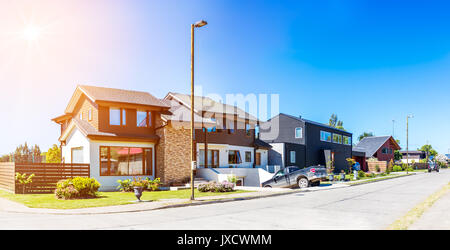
{"points": [[124, 134], [113, 130], [229, 132], [300, 142]]}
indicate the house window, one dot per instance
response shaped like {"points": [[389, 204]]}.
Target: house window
{"points": [[144, 119], [298, 133], [90, 115], [77, 155], [248, 156], [230, 126], [125, 161], [385, 151], [347, 140], [292, 156], [325, 136], [337, 138], [248, 129], [81, 115], [234, 157], [213, 158], [117, 116]]}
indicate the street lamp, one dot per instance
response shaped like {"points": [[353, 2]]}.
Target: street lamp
{"points": [[198, 24], [407, 142]]}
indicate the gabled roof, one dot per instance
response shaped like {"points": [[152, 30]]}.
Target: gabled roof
{"points": [[207, 104], [370, 145], [96, 94]]}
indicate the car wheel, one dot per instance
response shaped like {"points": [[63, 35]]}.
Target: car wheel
{"points": [[303, 183], [267, 186]]}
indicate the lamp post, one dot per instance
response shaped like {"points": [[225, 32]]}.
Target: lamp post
{"points": [[193, 163], [407, 142]]}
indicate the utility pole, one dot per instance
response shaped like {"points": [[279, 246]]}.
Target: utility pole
{"points": [[407, 142], [193, 163]]}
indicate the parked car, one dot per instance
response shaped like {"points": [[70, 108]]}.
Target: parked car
{"points": [[297, 177], [433, 167]]}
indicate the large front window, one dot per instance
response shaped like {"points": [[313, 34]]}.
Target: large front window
{"points": [[234, 157], [213, 158], [125, 161]]}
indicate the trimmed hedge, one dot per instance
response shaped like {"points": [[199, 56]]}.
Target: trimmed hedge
{"points": [[77, 188]]}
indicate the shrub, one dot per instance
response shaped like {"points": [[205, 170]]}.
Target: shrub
{"points": [[216, 187], [78, 187], [125, 185], [361, 174], [397, 168], [153, 185]]}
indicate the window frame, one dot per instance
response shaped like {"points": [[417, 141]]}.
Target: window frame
{"points": [[326, 132], [148, 118], [349, 140], [71, 154], [122, 118], [144, 160], [339, 136], [247, 153], [301, 133], [236, 160], [90, 114], [292, 158], [213, 159]]}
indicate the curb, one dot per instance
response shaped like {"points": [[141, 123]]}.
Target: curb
{"points": [[381, 179], [204, 202]]}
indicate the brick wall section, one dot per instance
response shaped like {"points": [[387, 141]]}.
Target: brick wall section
{"points": [[173, 153]]}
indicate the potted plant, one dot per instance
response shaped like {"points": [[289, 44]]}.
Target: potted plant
{"points": [[138, 187]]}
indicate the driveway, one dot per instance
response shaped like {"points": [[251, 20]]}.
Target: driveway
{"points": [[370, 206]]}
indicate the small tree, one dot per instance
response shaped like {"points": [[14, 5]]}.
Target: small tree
{"points": [[24, 180], [350, 162], [53, 154]]}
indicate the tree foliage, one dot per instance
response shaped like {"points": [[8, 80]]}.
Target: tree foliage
{"points": [[335, 122], [24, 154], [53, 154], [364, 135]]}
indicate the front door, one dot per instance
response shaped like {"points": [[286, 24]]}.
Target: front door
{"points": [[258, 159]]}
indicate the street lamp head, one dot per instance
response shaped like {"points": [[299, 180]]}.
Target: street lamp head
{"points": [[200, 23]]}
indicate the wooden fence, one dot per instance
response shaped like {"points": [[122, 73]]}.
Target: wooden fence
{"points": [[46, 175], [7, 176]]}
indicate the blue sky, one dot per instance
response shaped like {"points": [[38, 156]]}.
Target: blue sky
{"points": [[370, 62]]}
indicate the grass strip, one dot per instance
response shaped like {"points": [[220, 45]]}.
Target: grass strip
{"points": [[415, 213]]}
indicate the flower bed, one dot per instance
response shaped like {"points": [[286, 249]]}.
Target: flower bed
{"points": [[216, 187]]}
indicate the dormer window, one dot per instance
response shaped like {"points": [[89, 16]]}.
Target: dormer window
{"points": [[117, 117], [144, 119]]}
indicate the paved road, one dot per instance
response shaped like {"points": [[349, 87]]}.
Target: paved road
{"points": [[369, 206]]}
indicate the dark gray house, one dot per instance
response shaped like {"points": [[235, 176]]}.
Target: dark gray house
{"points": [[299, 142]]}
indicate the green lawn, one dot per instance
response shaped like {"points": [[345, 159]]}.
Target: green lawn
{"points": [[105, 198]]}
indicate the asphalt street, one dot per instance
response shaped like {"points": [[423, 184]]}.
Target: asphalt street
{"points": [[369, 206]]}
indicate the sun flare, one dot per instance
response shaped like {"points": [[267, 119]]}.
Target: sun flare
{"points": [[31, 33]]}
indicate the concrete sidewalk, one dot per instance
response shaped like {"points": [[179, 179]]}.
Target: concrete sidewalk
{"points": [[13, 207], [435, 218]]}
